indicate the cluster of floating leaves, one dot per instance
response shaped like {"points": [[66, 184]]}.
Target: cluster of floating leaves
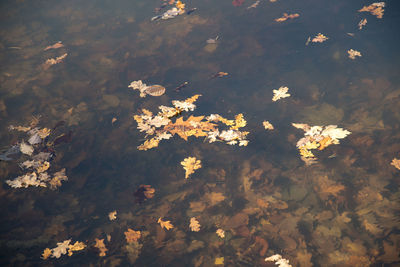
{"points": [[38, 164], [161, 126], [317, 137], [62, 249]]}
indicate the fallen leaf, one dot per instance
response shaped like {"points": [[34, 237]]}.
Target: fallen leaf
{"points": [[396, 163], [165, 224], [267, 125], [219, 261], [54, 46], [112, 215], [190, 164], [100, 245], [132, 235], [320, 38], [220, 233], [280, 93], [76, 247], [194, 225], [46, 253], [353, 53], [375, 9]]}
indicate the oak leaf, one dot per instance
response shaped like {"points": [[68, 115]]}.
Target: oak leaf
{"points": [[46, 253], [76, 247], [190, 164], [132, 235], [165, 224], [100, 245], [194, 225]]}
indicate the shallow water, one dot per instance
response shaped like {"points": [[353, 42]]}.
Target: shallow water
{"points": [[341, 211]]}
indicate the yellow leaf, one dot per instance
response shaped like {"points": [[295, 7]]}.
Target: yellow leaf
{"points": [[219, 261], [239, 122], [46, 253], [306, 153], [325, 142], [192, 99], [75, 247], [194, 224], [165, 224], [148, 144], [112, 215], [190, 164]]}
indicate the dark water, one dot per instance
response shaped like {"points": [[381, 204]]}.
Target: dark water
{"points": [[341, 211]]}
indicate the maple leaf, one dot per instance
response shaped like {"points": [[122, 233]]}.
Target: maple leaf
{"points": [[190, 164], [165, 224], [132, 235]]}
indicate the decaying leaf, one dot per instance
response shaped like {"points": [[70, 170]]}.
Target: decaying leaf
{"points": [[143, 193], [190, 164], [112, 215], [280, 93], [194, 225], [101, 246], [132, 235], [353, 53], [327, 187], [320, 38], [165, 224]]}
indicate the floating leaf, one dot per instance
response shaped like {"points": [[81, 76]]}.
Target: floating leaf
{"points": [[280, 93], [353, 54], [190, 164], [76, 247], [112, 215], [101, 246], [320, 38], [287, 16], [194, 225], [219, 261], [396, 163], [267, 125], [165, 224], [46, 253], [220, 233], [375, 9], [132, 235]]}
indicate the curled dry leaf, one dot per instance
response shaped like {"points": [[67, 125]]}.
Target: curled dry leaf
{"points": [[190, 164], [112, 215], [54, 46]]}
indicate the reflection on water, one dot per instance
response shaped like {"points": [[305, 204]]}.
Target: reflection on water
{"points": [[65, 71]]}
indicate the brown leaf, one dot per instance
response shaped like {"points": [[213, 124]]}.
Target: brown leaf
{"points": [[132, 235]]}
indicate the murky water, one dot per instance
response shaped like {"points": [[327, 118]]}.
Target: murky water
{"points": [[340, 211]]}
